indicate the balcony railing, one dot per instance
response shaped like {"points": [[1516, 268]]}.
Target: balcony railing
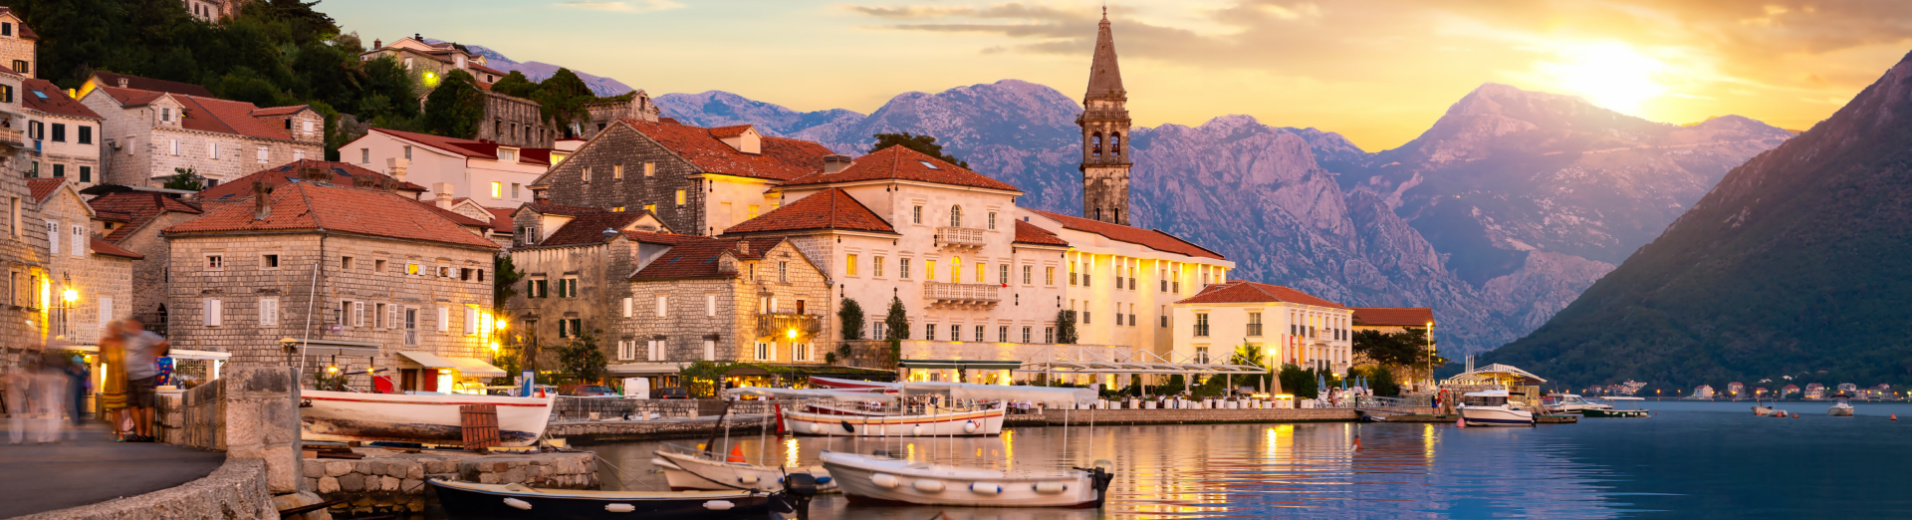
{"points": [[959, 237], [961, 293], [13, 138], [780, 323]]}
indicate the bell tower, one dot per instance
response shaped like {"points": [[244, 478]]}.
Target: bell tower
{"points": [[1105, 133]]}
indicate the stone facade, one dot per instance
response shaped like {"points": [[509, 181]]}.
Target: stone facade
{"points": [[776, 309], [69, 143], [1105, 130], [102, 284], [16, 48], [389, 481], [514, 121], [622, 147], [602, 271], [376, 300], [23, 242], [146, 143], [606, 112], [150, 274]]}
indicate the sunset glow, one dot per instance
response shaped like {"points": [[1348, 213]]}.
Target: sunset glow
{"points": [[1610, 74]]}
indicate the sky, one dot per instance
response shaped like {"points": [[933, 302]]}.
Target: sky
{"points": [[1377, 71]]}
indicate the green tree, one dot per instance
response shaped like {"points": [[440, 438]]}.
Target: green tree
{"points": [[1409, 348], [1065, 327], [1380, 379], [184, 179], [920, 143], [703, 378], [562, 97], [517, 85], [851, 316], [1250, 355], [456, 107], [504, 282], [581, 361], [1298, 382], [896, 328]]}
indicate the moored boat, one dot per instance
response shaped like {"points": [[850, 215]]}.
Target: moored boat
{"points": [[1612, 411], [416, 418], [472, 501], [1840, 409], [1573, 403], [1490, 408], [687, 468], [931, 423], [867, 479]]}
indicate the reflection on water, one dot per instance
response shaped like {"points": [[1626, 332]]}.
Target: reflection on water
{"points": [[1693, 460]]}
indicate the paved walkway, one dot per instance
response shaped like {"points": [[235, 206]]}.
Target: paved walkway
{"points": [[45, 477]]}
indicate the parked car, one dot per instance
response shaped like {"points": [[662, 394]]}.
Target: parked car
{"points": [[587, 391], [670, 392]]}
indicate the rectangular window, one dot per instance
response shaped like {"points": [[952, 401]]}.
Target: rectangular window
{"points": [[662, 305], [650, 169], [262, 155], [514, 191], [53, 235], [585, 174], [617, 171], [763, 351], [381, 316], [628, 307], [710, 305], [59, 170], [955, 332], [682, 197], [930, 273], [1002, 334], [876, 331], [992, 220], [1028, 274], [650, 208], [269, 261], [106, 309], [849, 265], [365, 156], [358, 314], [215, 262], [979, 333], [1002, 274], [214, 314], [710, 350], [1048, 334], [408, 152], [903, 268], [175, 147], [297, 155], [497, 189], [1254, 324], [86, 134], [783, 272], [1025, 334], [929, 332], [1048, 276], [658, 349], [471, 320], [59, 132], [444, 319], [753, 211], [86, 173], [212, 149], [1201, 325], [626, 350], [916, 215], [165, 114], [876, 267]]}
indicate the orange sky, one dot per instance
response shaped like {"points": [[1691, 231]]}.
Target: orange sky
{"points": [[1377, 71]]}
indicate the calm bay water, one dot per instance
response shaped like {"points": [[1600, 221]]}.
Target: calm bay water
{"points": [[1692, 460]]}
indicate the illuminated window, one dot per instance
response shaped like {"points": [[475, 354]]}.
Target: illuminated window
{"points": [[650, 169], [650, 208], [753, 211], [497, 190], [681, 197], [617, 171], [930, 273], [876, 267], [849, 265]]}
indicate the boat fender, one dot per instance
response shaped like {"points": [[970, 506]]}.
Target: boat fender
{"points": [[719, 505], [816, 428], [928, 485], [518, 504], [916, 430], [969, 426], [985, 488], [884, 481], [1051, 488], [823, 480], [747, 479], [620, 508]]}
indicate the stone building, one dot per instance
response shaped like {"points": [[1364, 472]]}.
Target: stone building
{"points": [[339, 173], [492, 174], [508, 120], [132, 220], [18, 45], [1121, 280], [149, 135], [1288, 326], [697, 180], [91, 279], [23, 246], [1105, 127], [399, 291], [515, 121], [101, 78], [635, 105], [579, 270], [65, 134]]}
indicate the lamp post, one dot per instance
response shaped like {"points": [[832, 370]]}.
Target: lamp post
{"points": [[68, 297]]}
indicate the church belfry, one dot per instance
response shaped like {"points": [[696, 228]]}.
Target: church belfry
{"points": [[1105, 133]]}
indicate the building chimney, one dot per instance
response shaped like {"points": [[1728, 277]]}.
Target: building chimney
{"points": [[122, 82], [378, 44], [396, 166], [261, 199], [743, 246], [444, 194], [314, 173], [835, 163]]}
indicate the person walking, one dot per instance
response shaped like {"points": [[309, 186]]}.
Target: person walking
{"points": [[49, 390], [143, 350], [17, 381], [112, 396]]}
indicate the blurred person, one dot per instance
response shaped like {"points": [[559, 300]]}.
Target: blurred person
{"points": [[49, 390], [17, 381], [76, 385], [112, 392], [143, 350]]}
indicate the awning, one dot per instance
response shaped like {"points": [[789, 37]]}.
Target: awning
{"points": [[322, 347], [476, 367], [646, 369], [979, 364], [427, 360]]}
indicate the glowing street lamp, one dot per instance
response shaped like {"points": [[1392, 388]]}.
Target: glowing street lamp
{"points": [[70, 295]]}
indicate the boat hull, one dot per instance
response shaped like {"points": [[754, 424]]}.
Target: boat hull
{"points": [[687, 472], [467, 501], [1629, 413], [1496, 416], [425, 419], [965, 423], [870, 480], [1840, 411]]}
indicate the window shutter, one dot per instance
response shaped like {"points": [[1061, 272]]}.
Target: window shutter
{"points": [[444, 319], [627, 307], [661, 300], [53, 235], [710, 305], [79, 240], [213, 313], [358, 314], [269, 312], [471, 321], [106, 309], [710, 350], [391, 316]]}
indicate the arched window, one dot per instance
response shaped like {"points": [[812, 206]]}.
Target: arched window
{"points": [[955, 269], [1115, 143], [1095, 144], [955, 216]]}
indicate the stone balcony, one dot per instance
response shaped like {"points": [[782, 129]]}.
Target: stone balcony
{"points": [[961, 294], [959, 237], [13, 138], [780, 323]]}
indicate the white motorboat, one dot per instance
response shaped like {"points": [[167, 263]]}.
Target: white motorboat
{"points": [[933, 422], [1490, 408], [1762, 410], [687, 468], [881, 480], [1840, 409], [415, 418], [1574, 403]]}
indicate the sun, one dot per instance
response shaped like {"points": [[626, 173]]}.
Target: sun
{"points": [[1610, 74]]}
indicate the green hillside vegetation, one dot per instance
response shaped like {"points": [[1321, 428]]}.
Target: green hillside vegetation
{"points": [[1798, 263]]}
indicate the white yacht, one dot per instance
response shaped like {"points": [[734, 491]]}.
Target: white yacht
{"points": [[1574, 403], [1490, 408]]}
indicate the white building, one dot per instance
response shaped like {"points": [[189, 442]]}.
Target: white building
{"points": [[1288, 326], [490, 174], [1122, 280]]}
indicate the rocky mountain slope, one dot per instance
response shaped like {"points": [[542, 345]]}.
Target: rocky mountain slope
{"points": [[538, 71], [1795, 264], [1441, 222]]}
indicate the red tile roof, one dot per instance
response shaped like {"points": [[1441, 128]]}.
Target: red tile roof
{"points": [[1393, 316], [1251, 292], [827, 209], [132, 97], [136, 208], [547, 208], [902, 163], [699, 259], [43, 188], [1027, 233], [280, 111], [780, 159], [225, 116], [1150, 238], [304, 206], [345, 174], [112, 79], [589, 229], [454, 216], [44, 96], [468, 147], [103, 247], [501, 220], [25, 33], [721, 132]]}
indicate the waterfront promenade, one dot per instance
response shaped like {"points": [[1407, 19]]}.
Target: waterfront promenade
{"points": [[46, 477]]}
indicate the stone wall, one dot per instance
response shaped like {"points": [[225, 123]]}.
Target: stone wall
{"points": [[23, 250], [236, 490], [588, 432], [620, 145], [137, 148], [149, 273], [13, 47], [250, 412], [598, 303], [513, 121], [95, 278], [391, 481]]}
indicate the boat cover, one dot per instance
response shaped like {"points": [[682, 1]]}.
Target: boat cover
{"points": [[1052, 397]]}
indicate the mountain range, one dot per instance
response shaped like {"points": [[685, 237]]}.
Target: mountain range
{"points": [[1793, 267], [538, 71]]}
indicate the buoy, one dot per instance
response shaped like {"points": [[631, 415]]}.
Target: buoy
{"points": [[736, 453], [1795, 415], [620, 508], [884, 481], [719, 505], [1357, 442], [985, 488], [928, 485], [1460, 423], [816, 428], [518, 504], [916, 430], [1895, 417], [969, 426]]}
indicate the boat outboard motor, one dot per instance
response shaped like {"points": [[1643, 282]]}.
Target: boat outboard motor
{"points": [[800, 488], [1100, 475]]}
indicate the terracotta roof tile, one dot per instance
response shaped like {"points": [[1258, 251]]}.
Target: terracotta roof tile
{"points": [[468, 147], [225, 116], [1150, 238], [560, 209], [25, 33], [102, 247], [1251, 292], [454, 216], [1027, 233], [780, 159], [344, 174], [501, 220], [279, 111], [43, 188], [700, 258], [44, 96], [112, 79], [827, 209], [132, 97], [902, 163], [1393, 316], [589, 228], [721, 132], [136, 208], [304, 206]]}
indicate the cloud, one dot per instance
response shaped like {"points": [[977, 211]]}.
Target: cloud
{"points": [[634, 6]]}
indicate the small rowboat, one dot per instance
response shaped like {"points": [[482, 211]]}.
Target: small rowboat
{"points": [[939, 423], [418, 418], [470, 501], [881, 480], [691, 469]]}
